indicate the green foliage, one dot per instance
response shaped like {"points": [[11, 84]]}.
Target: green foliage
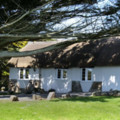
{"points": [[5, 73], [4, 69], [15, 46]]}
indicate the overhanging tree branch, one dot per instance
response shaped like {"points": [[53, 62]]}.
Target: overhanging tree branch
{"points": [[51, 19], [24, 15], [34, 52]]}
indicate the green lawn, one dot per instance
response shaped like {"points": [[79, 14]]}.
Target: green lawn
{"points": [[84, 108]]}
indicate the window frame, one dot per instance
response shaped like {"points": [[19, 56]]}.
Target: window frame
{"points": [[62, 74], [24, 73], [59, 73], [27, 72], [21, 72], [83, 74], [86, 74], [64, 71], [89, 71]]}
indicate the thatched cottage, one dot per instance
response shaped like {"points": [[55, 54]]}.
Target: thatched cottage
{"points": [[80, 67]]}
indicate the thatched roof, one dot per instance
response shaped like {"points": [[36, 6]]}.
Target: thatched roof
{"points": [[29, 60], [104, 52]]}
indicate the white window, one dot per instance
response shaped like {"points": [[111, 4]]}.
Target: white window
{"points": [[61, 74], [24, 73], [86, 74]]}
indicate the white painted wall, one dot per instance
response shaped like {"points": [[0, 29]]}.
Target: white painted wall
{"points": [[86, 86], [75, 74], [49, 81], [110, 77], [22, 83], [34, 74], [14, 73]]}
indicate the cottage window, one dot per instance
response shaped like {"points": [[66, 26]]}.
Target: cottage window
{"points": [[21, 73], [89, 74], [61, 73], [83, 74], [24, 73], [86, 74], [64, 74], [27, 73]]}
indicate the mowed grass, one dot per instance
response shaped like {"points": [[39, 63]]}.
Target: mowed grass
{"points": [[83, 108]]}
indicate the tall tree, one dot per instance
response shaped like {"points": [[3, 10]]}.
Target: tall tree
{"points": [[48, 19]]}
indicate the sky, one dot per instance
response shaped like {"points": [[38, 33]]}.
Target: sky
{"points": [[75, 21]]}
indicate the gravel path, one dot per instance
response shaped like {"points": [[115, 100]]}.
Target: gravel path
{"points": [[28, 97], [22, 97]]}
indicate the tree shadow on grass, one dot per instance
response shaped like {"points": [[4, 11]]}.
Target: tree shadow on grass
{"points": [[86, 99]]}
